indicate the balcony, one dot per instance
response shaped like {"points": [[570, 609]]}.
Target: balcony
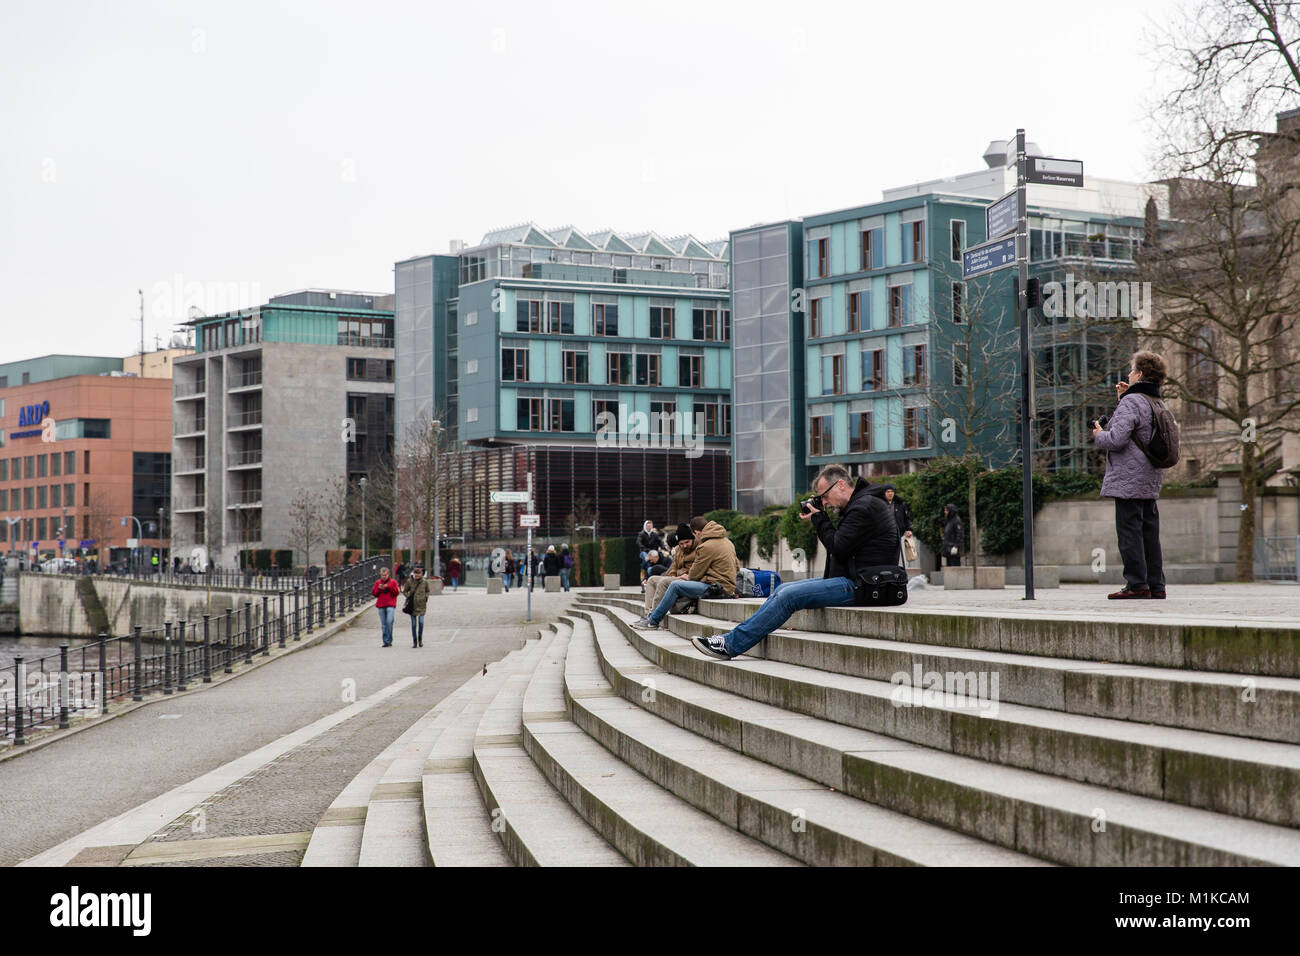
{"points": [[189, 426], [181, 466], [246, 458], [189, 390], [246, 380], [245, 498], [365, 341], [251, 419], [188, 503]]}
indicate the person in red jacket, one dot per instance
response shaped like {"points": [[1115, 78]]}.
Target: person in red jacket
{"points": [[386, 591]]}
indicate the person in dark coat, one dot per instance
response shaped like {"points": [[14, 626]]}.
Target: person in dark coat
{"points": [[953, 536], [865, 537], [1132, 480], [902, 517], [551, 562]]}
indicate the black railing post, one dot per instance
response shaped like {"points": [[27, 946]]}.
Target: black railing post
{"points": [[280, 621], [248, 632], [103, 673], [230, 642], [329, 586], [20, 679], [167, 658], [139, 667], [180, 658], [309, 608], [207, 650], [63, 686], [266, 638], [297, 613]]}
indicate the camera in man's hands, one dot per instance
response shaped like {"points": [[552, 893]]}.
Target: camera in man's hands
{"points": [[806, 506]]}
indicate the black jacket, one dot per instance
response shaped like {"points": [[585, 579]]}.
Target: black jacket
{"points": [[649, 541], [953, 534], [902, 517], [551, 564], [866, 536]]}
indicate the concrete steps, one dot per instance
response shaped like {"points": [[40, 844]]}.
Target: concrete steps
{"points": [[646, 823], [1253, 779], [747, 706], [536, 825]]}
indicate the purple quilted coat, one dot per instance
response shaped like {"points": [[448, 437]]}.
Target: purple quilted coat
{"points": [[1128, 472]]}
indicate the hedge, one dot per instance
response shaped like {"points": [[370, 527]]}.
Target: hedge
{"points": [[608, 556]]}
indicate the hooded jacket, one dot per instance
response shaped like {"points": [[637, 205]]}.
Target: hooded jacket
{"points": [[865, 537], [417, 593], [902, 517], [1129, 473], [954, 532], [386, 592], [715, 558], [647, 540], [682, 560]]}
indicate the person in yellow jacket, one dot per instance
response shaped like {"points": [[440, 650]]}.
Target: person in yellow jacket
{"points": [[714, 563]]}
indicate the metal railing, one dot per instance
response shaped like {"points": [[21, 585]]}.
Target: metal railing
{"points": [[50, 689], [251, 496], [1277, 558], [246, 380], [252, 456], [188, 427], [188, 502], [366, 341], [180, 465], [248, 579], [245, 418], [186, 389]]}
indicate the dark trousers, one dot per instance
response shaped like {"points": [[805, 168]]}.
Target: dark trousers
{"points": [[954, 560], [1137, 525]]}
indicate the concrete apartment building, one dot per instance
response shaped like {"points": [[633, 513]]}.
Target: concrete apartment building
{"points": [[855, 335], [525, 340], [260, 414]]}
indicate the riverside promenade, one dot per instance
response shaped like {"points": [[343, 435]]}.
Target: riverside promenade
{"points": [[1133, 732]]}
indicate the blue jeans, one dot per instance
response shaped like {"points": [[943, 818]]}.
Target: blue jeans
{"points": [[678, 589], [386, 623], [782, 603], [564, 578], [417, 635]]}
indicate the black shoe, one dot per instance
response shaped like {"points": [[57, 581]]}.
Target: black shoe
{"points": [[713, 646]]}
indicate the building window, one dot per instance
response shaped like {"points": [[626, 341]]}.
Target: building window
{"points": [[514, 365], [873, 370], [607, 407], [619, 368], [604, 318], [471, 414], [663, 416], [42, 500], [69, 492], [814, 318], [913, 241], [41, 527], [959, 302], [69, 463], [575, 367], [717, 417], [958, 227], [662, 318], [647, 369], [56, 496], [29, 498], [356, 369], [900, 306], [914, 366], [873, 249], [823, 257], [710, 324], [528, 315], [914, 432], [559, 318], [860, 432], [42, 466], [833, 374], [959, 358], [820, 435], [688, 371], [529, 412], [56, 464], [4, 471], [559, 414], [855, 311]]}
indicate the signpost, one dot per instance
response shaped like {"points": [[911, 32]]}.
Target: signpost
{"points": [[1000, 217], [988, 257], [530, 521], [510, 497], [1047, 171], [536, 523]]}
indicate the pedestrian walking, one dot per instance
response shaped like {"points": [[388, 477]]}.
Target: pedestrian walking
{"points": [[953, 536], [566, 566], [903, 521], [385, 591], [508, 571], [1132, 478], [453, 571], [416, 590]]}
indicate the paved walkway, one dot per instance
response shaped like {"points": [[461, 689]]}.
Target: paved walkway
{"points": [[290, 736]]}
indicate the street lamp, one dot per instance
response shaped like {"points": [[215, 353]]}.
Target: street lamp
{"points": [[161, 512], [586, 527], [139, 536], [437, 487], [362, 483]]}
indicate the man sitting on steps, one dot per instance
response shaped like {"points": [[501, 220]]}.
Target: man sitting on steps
{"points": [[865, 537], [714, 563]]}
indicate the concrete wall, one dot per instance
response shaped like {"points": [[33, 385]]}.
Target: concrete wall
{"points": [[48, 604]]}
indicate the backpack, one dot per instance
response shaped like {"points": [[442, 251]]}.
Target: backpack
{"points": [[1162, 449], [753, 583]]}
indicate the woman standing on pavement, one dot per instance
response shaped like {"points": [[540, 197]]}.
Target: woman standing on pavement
{"points": [[416, 590], [508, 571], [385, 591]]}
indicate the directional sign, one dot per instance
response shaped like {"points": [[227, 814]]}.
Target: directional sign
{"points": [[133, 542], [530, 521], [988, 257], [1000, 218], [1055, 172], [510, 497]]}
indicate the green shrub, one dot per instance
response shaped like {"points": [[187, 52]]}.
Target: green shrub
{"points": [[1072, 484]]}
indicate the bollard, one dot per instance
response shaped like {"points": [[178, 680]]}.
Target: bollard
{"points": [[63, 686], [103, 673], [230, 643], [180, 659], [139, 667], [207, 651], [167, 658], [20, 679], [280, 621], [248, 632], [297, 613], [266, 640]]}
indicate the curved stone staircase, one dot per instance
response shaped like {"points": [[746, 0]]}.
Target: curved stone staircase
{"points": [[600, 745]]}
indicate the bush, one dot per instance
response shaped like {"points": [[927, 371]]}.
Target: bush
{"points": [[1072, 484], [608, 556], [284, 558]]}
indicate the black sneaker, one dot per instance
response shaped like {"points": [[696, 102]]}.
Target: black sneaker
{"points": [[713, 647]]}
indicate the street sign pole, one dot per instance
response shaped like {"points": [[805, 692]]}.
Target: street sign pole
{"points": [[528, 580], [1026, 383]]}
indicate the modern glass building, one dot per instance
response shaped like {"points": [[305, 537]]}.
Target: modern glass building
{"points": [[262, 411], [858, 322], [615, 345]]}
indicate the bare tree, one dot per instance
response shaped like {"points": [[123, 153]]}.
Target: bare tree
{"points": [[308, 518], [99, 519], [1226, 273], [430, 458]]}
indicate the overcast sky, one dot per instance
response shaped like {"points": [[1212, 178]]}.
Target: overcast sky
{"points": [[219, 153]]}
